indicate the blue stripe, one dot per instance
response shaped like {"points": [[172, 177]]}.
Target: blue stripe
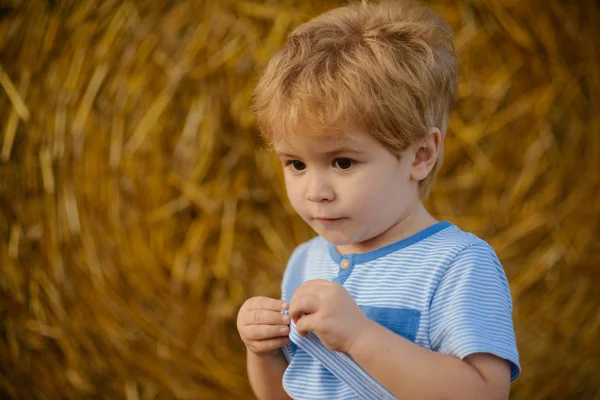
{"points": [[451, 279], [342, 366], [375, 254]]}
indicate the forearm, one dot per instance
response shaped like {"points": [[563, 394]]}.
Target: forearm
{"points": [[412, 372], [266, 373]]}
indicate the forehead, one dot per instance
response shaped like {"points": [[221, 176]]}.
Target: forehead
{"points": [[348, 140]]}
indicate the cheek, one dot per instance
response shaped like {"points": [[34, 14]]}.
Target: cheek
{"points": [[294, 192], [376, 195], [366, 197]]}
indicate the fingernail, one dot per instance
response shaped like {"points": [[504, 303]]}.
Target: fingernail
{"points": [[284, 305], [284, 330], [286, 319]]}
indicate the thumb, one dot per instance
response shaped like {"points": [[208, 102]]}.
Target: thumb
{"points": [[305, 324]]}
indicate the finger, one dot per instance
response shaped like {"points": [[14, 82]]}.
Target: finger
{"points": [[266, 303], [266, 317], [305, 325], [318, 282], [303, 304], [265, 332], [308, 287], [315, 287], [264, 346]]}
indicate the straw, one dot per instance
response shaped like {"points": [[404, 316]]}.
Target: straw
{"points": [[138, 209]]}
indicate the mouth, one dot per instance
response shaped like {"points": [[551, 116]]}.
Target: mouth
{"points": [[325, 220]]}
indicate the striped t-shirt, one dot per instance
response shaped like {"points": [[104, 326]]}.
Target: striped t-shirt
{"points": [[442, 288]]}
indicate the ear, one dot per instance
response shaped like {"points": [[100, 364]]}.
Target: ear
{"points": [[426, 154]]}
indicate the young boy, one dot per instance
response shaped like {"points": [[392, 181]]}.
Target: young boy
{"points": [[386, 301]]}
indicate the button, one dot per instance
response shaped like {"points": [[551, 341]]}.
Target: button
{"points": [[345, 264]]}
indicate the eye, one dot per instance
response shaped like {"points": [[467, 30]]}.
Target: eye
{"points": [[343, 163], [296, 165]]}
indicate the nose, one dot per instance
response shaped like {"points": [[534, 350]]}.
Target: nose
{"points": [[318, 188]]}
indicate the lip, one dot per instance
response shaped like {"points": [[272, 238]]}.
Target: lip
{"points": [[326, 220]]}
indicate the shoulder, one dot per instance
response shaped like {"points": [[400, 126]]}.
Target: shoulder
{"points": [[302, 255], [455, 239], [466, 258], [464, 248], [303, 251], [472, 270]]}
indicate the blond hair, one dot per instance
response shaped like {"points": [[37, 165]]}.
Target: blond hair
{"points": [[386, 68]]}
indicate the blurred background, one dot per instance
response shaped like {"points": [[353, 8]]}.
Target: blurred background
{"points": [[139, 207]]}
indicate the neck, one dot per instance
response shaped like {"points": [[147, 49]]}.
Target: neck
{"points": [[414, 222]]}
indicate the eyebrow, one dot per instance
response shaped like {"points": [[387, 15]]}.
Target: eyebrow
{"points": [[344, 150], [329, 153], [285, 155]]}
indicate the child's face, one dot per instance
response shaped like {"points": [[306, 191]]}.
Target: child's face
{"points": [[351, 190]]}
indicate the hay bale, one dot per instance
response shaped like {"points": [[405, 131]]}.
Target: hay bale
{"points": [[137, 210], [522, 169]]}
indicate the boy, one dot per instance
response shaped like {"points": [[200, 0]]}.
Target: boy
{"points": [[386, 301]]}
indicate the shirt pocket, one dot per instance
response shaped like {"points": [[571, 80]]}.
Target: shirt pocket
{"points": [[402, 321]]}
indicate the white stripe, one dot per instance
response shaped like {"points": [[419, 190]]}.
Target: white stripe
{"points": [[452, 278]]}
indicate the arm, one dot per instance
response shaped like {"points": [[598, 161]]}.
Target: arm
{"points": [[264, 330], [410, 371], [265, 373], [470, 319]]}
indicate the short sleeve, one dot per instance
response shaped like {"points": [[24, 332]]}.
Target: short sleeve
{"points": [[471, 309]]}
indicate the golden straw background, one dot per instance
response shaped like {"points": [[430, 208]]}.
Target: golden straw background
{"points": [[138, 208]]}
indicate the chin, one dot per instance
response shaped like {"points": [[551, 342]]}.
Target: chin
{"points": [[337, 239]]}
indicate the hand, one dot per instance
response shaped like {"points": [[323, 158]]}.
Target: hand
{"points": [[327, 309], [262, 326]]}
